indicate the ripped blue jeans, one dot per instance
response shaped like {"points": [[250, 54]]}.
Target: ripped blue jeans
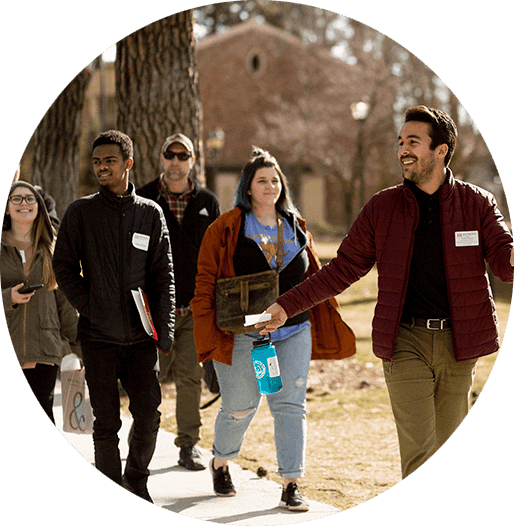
{"points": [[240, 400]]}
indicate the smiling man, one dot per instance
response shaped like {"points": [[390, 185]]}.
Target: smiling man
{"points": [[423, 162], [110, 244], [430, 238], [112, 168]]}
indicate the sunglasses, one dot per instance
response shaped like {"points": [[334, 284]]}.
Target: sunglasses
{"points": [[18, 199], [182, 156]]}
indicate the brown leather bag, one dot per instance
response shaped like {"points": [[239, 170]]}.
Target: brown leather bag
{"points": [[250, 294]]}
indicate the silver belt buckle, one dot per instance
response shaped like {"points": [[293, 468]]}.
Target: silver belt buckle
{"points": [[435, 328]]}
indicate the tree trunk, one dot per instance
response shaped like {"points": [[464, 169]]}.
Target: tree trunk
{"points": [[157, 92], [56, 145]]}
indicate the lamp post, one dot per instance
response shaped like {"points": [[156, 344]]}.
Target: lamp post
{"points": [[215, 143], [360, 112]]}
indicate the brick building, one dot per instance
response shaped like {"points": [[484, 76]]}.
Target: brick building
{"points": [[262, 86]]}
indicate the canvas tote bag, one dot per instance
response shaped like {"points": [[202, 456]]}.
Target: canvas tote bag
{"points": [[76, 407]]}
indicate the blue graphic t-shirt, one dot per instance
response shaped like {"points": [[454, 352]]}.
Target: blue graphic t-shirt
{"points": [[267, 239]]}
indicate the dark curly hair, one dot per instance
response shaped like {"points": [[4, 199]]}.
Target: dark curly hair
{"points": [[116, 137]]}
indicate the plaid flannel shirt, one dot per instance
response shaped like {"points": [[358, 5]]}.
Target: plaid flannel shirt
{"points": [[177, 204]]}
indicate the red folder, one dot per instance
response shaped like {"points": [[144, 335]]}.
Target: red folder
{"points": [[141, 300]]}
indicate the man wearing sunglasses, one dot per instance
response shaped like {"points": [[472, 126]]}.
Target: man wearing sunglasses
{"points": [[189, 209]]}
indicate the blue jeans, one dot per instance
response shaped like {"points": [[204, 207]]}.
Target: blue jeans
{"points": [[240, 395]]}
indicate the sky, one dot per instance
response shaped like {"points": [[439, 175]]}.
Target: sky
{"points": [[110, 54]]}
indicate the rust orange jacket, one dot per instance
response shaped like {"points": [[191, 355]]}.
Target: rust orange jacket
{"points": [[332, 339]]}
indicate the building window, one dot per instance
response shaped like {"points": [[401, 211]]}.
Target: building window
{"points": [[256, 62]]}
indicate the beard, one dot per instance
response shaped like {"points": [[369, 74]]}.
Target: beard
{"points": [[422, 174]]}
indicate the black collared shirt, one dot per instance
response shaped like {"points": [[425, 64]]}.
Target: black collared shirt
{"points": [[427, 293]]}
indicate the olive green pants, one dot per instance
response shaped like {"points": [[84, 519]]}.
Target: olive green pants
{"points": [[181, 366], [429, 392]]}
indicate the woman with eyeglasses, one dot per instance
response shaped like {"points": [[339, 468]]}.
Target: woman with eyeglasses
{"points": [[39, 321]]}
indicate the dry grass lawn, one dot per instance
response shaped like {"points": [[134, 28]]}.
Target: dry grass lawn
{"points": [[352, 452]]}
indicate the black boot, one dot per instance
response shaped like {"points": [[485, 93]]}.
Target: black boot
{"points": [[137, 488], [191, 458]]}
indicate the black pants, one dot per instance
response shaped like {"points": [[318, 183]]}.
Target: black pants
{"points": [[135, 367], [42, 382]]}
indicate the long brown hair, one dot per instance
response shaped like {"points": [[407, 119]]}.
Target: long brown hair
{"points": [[262, 159], [43, 234]]}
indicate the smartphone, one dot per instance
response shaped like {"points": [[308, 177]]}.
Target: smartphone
{"points": [[30, 288]]}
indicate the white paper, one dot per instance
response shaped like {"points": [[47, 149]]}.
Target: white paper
{"points": [[136, 294], [252, 319]]}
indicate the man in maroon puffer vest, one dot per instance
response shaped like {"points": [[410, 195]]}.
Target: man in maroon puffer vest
{"points": [[430, 238]]}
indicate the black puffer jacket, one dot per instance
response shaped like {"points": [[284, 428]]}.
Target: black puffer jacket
{"points": [[186, 238], [107, 246]]}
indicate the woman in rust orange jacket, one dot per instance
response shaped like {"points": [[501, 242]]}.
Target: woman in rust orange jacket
{"points": [[244, 241]]}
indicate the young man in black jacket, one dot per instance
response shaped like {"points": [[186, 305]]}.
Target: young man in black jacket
{"points": [[189, 210], [110, 244]]}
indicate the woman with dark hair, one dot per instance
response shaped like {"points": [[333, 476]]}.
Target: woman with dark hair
{"points": [[38, 321], [244, 241]]}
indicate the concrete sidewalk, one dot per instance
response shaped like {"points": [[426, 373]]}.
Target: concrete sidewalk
{"points": [[190, 493]]}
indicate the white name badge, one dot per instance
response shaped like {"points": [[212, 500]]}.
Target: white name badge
{"points": [[141, 241], [466, 239]]}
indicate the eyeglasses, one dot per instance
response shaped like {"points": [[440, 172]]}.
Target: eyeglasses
{"points": [[182, 156], [18, 199]]}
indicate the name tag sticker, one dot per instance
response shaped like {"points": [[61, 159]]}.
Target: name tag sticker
{"points": [[466, 239], [141, 241]]}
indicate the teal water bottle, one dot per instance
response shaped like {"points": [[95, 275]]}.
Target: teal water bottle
{"points": [[265, 363]]}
